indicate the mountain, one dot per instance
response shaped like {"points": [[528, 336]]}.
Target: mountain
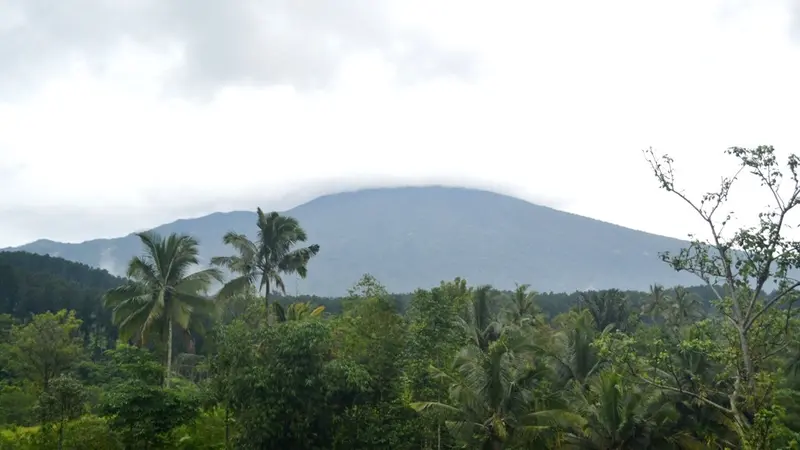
{"points": [[415, 237]]}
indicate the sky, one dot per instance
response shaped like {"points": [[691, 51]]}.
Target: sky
{"points": [[119, 115]]}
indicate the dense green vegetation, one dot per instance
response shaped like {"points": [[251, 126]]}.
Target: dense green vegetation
{"points": [[158, 361]]}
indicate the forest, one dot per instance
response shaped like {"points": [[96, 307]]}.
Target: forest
{"points": [[167, 359]]}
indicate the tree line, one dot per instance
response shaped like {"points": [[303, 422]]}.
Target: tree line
{"points": [[455, 366]]}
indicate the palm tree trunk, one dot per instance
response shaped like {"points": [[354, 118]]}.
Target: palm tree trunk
{"points": [[169, 353], [266, 299]]}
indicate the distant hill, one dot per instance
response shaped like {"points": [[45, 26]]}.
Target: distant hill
{"points": [[32, 284], [417, 236]]}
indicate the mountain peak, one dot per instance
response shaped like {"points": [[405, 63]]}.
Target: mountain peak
{"points": [[412, 237]]}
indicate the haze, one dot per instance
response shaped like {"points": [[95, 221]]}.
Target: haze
{"points": [[116, 116]]}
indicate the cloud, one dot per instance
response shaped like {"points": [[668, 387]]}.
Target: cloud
{"points": [[568, 93], [214, 43], [795, 10], [168, 205]]}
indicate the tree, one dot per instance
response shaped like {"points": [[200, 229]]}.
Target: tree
{"points": [[497, 396], [145, 414], [62, 401], [608, 308], [656, 302], [436, 334], [372, 333], [571, 349], [46, 347], [621, 415], [745, 263], [283, 384], [523, 306], [161, 291], [297, 311], [139, 408], [682, 308], [263, 262], [478, 319]]}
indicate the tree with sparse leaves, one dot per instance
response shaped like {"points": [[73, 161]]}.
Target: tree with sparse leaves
{"points": [[752, 326]]}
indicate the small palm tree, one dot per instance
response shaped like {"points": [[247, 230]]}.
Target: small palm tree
{"points": [[571, 349], [608, 308], [297, 311], [262, 262], [162, 292], [684, 308], [656, 302], [523, 309], [621, 415]]}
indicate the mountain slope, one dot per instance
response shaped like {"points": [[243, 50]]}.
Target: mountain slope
{"points": [[415, 237], [32, 284]]}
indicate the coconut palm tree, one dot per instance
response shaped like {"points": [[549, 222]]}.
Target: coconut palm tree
{"points": [[262, 262], [478, 321], [523, 309], [656, 301], [162, 292], [570, 347], [684, 308], [608, 308], [621, 415], [493, 402]]}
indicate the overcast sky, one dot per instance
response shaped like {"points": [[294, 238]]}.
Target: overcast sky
{"points": [[120, 115]]}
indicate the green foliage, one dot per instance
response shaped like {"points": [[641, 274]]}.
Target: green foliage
{"points": [[381, 425], [713, 367], [145, 415], [372, 334], [282, 384], [17, 402], [63, 399], [45, 347], [207, 432], [85, 433], [33, 284]]}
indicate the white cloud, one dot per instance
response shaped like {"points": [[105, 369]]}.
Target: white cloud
{"points": [[559, 101]]}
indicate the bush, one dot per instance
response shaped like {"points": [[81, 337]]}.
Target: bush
{"points": [[85, 433], [205, 433]]}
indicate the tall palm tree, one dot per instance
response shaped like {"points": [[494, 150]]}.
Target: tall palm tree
{"points": [[478, 321], [162, 292], [262, 262]]}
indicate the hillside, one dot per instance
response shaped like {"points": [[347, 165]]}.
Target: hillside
{"points": [[32, 284], [415, 237]]}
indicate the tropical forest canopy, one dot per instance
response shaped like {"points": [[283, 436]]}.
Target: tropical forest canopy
{"points": [[160, 360]]}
